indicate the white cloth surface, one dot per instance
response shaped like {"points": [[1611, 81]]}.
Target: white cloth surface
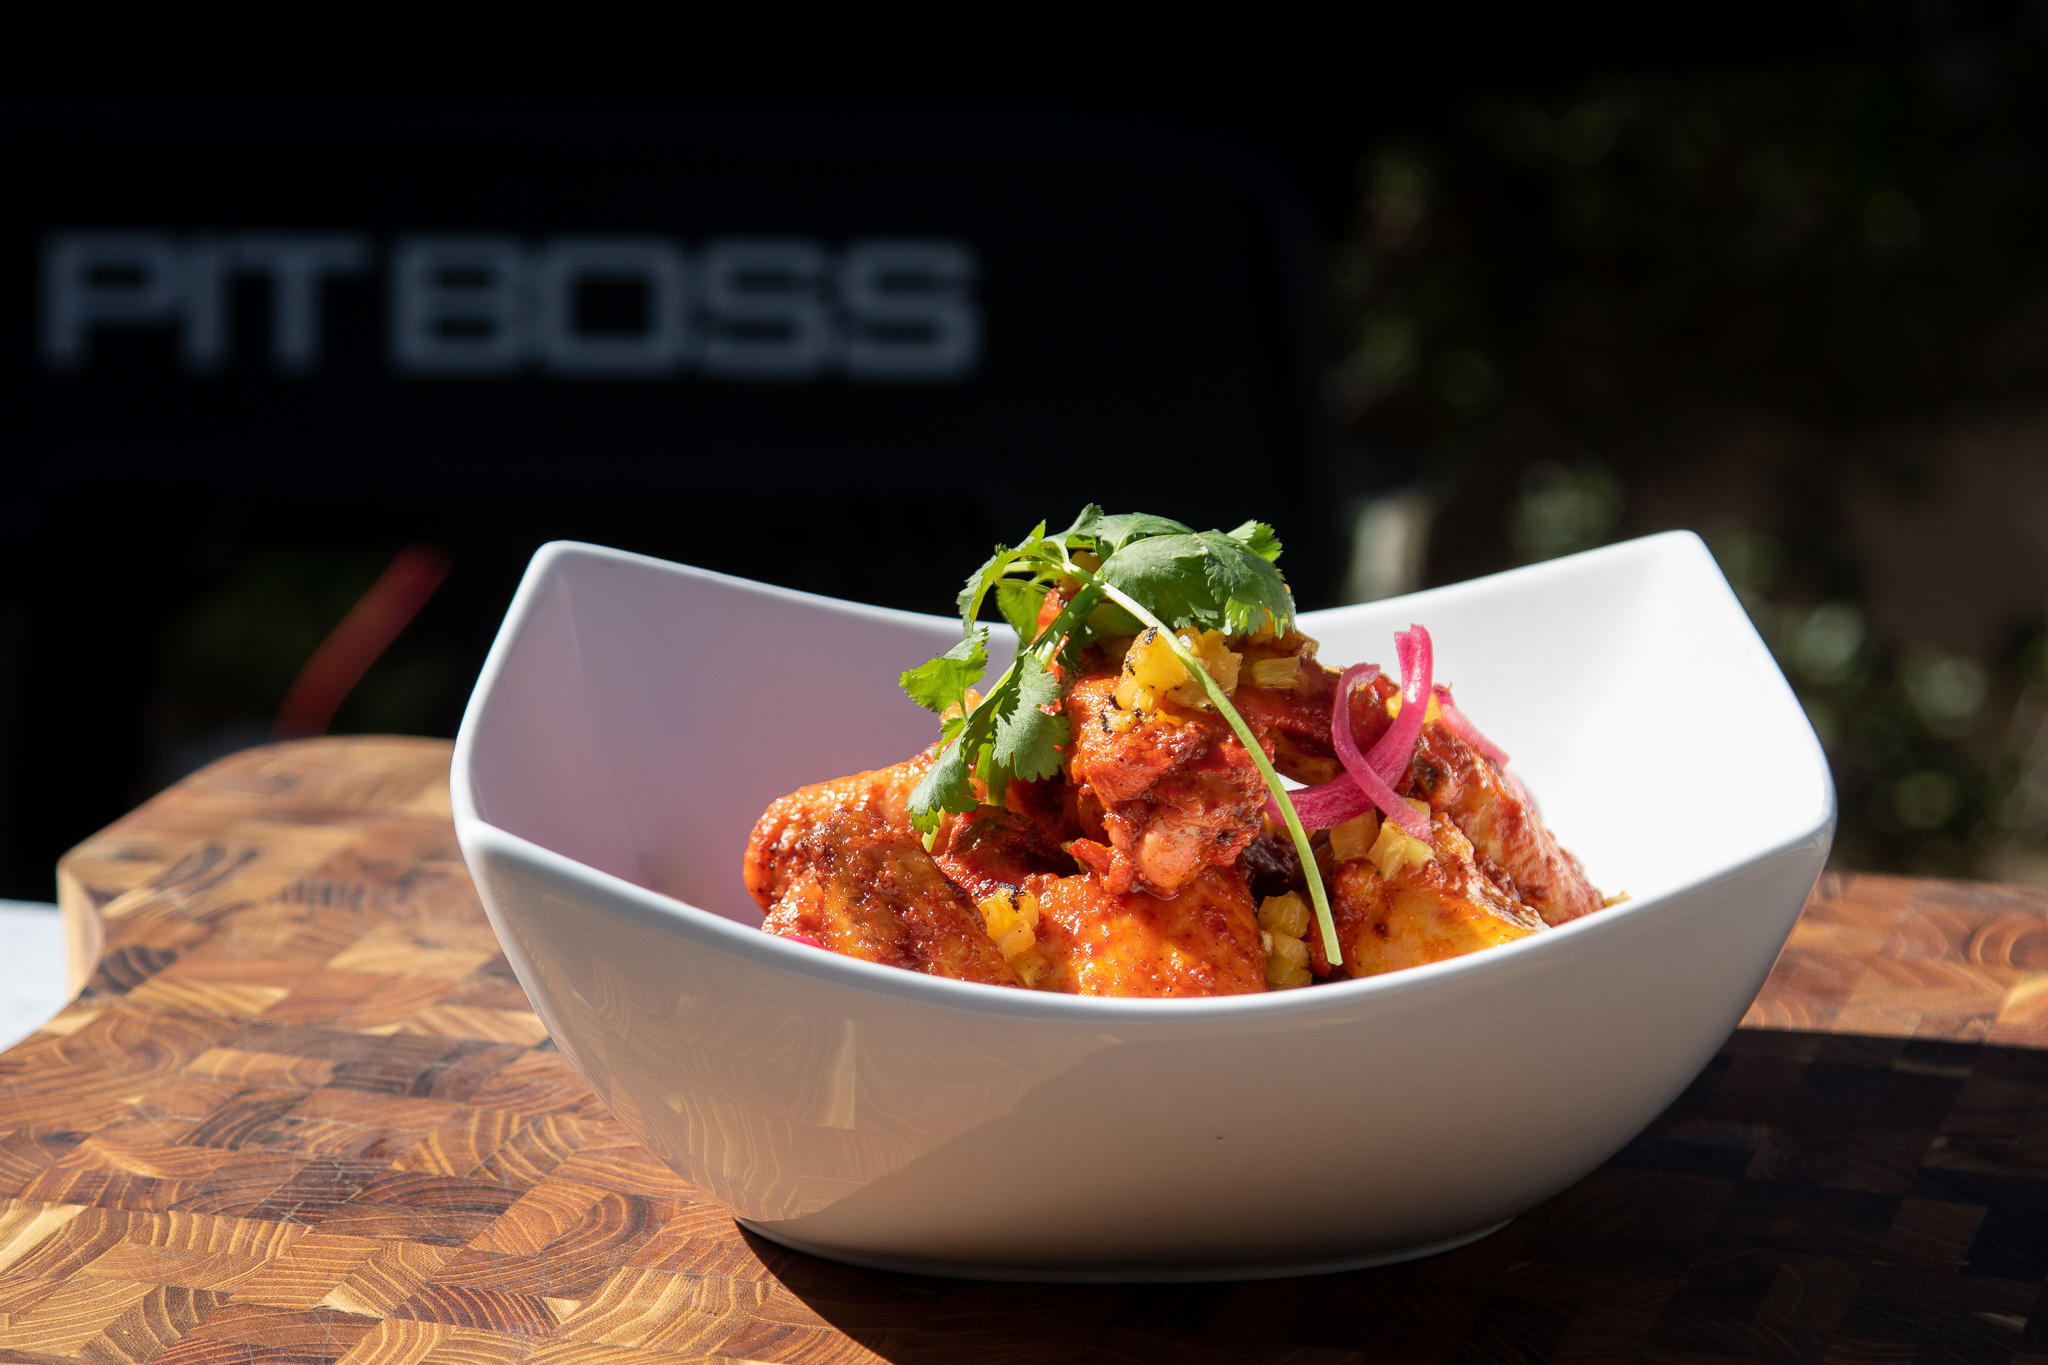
{"points": [[31, 968]]}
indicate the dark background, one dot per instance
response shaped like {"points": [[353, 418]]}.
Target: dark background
{"points": [[1148, 318], [1774, 274]]}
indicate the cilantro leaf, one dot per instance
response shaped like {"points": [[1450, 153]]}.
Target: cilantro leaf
{"points": [[1020, 602], [943, 682], [1007, 736], [1262, 540], [1111, 533], [1167, 574], [1206, 579], [1083, 528], [1110, 619], [1028, 741], [1245, 584], [947, 786], [980, 581], [1157, 567]]}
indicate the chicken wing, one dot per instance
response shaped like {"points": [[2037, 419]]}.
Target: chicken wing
{"points": [[1294, 710], [989, 851], [1177, 791], [1204, 941], [1443, 908], [772, 861], [869, 891], [1510, 841]]}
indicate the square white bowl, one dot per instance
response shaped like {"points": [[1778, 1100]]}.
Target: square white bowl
{"points": [[635, 717]]}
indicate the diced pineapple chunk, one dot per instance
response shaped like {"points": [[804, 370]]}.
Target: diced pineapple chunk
{"points": [[1287, 967], [1286, 914], [1153, 663], [1284, 672], [1150, 668], [1217, 661], [1012, 921], [1282, 921], [1354, 838], [1153, 671], [1396, 850]]}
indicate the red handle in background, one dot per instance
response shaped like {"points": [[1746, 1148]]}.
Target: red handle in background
{"points": [[361, 638]]}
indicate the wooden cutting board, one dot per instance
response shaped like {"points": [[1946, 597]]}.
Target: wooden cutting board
{"points": [[302, 1114]]}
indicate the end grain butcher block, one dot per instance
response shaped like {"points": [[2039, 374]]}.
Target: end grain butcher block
{"points": [[302, 1114]]}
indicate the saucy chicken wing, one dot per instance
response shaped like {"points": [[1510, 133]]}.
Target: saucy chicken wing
{"points": [[990, 851], [868, 891], [1291, 706], [772, 858], [1095, 941], [1508, 838], [1177, 791], [1441, 907]]}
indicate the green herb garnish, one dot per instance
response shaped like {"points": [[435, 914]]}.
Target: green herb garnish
{"points": [[1127, 572]]}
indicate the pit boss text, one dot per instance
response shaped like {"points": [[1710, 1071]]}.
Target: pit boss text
{"points": [[888, 310]]}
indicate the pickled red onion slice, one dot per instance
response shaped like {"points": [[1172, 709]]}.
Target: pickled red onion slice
{"points": [[1390, 757], [803, 938], [1325, 805], [1459, 724], [1329, 804], [1356, 676], [1372, 783]]}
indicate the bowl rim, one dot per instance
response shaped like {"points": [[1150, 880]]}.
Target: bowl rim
{"points": [[481, 841]]}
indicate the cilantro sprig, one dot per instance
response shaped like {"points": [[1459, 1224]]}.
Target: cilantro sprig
{"points": [[1118, 574]]}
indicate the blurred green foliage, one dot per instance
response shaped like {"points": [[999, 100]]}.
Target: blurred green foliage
{"points": [[1557, 304], [1901, 724]]}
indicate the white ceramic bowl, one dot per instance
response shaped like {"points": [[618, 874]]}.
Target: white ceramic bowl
{"points": [[636, 716]]}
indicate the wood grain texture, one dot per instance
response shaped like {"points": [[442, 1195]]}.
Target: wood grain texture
{"points": [[301, 1114]]}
